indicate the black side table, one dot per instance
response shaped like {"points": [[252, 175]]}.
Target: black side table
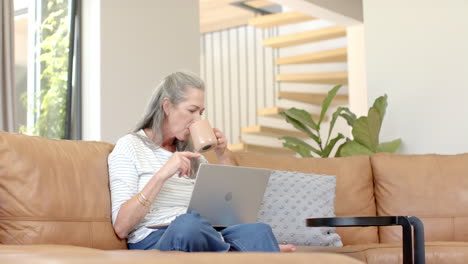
{"points": [[404, 221]]}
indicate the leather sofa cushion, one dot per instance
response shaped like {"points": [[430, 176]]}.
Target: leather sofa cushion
{"points": [[78, 255], [391, 253], [431, 187], [354, 186], [56, 192]]}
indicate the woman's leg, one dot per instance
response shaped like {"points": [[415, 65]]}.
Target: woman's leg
{"points": [[149, 242], [251, 237], [191, 233]]}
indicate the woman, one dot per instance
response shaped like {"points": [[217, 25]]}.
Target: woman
{"points": [[152, 177]]}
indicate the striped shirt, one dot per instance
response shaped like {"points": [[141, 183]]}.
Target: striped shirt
{"points": [[132, 164]]}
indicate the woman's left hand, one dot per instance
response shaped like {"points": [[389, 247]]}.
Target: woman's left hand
{"points": [[221, 142]]}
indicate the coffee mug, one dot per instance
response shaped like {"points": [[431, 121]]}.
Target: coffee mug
{"points": [[203, 136]]}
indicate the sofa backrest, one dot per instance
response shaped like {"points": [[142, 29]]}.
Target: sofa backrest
{"points": [[55, 192], [431, 187], [354, 186]]}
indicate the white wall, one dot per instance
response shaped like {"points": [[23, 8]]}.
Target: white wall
{"points": [[417, 54], [340, 12], [348, 8], [91, 70], [357, 81], [128, 46]]}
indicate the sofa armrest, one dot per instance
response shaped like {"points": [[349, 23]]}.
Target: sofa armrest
{"points": [[404, 221]]}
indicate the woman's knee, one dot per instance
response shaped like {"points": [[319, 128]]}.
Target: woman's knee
{"points": [[192, 218], [188, 226], [187, 234], [191, 232], [255, 228], [260, 227], [186, 222]]}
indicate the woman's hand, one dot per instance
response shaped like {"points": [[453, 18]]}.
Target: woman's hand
{"points": [[179, 162], [223, 155], [221, 142]]}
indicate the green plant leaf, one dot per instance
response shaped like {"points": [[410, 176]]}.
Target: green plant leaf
{"points": [[300, 126], [298, 149], [301, 116], [366, 130], [333, 121], [328, 148], [327, 101], [353, 148], [349, 116], [304, 146], [390, 146], [338, 151], [343, 112], [381, 105]]}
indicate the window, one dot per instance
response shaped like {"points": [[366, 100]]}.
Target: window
{"points": [[44, 74]]}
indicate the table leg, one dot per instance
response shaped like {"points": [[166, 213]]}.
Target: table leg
{"points": [[419, 250], [407, 239]]}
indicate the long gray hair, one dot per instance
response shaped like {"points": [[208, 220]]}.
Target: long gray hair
{"points": [[174, 87]]}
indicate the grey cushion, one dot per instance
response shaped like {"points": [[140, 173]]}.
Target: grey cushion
{"points": [[290, 198]]}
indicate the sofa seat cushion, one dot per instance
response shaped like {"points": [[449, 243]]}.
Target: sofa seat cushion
{"points": [[69, 254], [354, 186], [391, 253], [55, 192], [431, 187]]}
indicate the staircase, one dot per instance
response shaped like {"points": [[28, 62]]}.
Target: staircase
{"points": [[263, 137]]}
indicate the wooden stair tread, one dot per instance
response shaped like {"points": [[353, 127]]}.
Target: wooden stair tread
{"points": [[270, 111], [312, 98], [260, 149], [279, 19], [305, 37], [274, 112], [258, 3], [272, 132], [216, 15], [322, 77], [334, 55]]}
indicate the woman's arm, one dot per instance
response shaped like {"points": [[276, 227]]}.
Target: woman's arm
{"points": [[135, 208]]}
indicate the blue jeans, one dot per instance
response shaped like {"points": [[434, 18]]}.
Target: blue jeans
{"points": [[192, 233]]}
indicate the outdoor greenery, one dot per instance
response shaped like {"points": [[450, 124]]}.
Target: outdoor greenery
{"points": [[53, 57], [365, 130]]}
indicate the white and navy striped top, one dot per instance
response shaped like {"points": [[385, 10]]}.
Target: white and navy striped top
{"points": [[132, 164]]}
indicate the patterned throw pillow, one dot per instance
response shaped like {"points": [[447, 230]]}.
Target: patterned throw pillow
{"points": [[290, 198]]}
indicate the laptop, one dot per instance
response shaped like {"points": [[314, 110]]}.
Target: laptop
{"points": [[227, 195]]}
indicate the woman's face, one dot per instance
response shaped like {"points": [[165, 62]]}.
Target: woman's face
{"points": [[181, 116]]}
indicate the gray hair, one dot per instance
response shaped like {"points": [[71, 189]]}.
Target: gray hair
{"points": [[174, 86]]}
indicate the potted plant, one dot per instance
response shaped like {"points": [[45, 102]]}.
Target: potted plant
{"points": [[365, 130]]}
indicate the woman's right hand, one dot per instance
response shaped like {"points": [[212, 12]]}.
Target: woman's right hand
{"points": [[179, 162]]}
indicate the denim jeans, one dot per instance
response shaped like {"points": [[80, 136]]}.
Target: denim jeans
{"points": [[192, 233]]}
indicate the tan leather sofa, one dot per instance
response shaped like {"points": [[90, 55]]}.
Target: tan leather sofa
{"points": [[55, 205], [431, 187]]}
